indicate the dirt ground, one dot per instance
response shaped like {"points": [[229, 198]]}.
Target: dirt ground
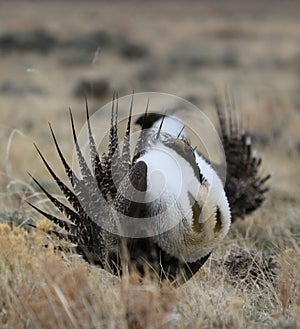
{"points": [[193, 50]]}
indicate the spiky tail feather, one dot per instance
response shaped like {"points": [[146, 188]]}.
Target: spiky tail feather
{"points": [[97, 191], [245, 187]]}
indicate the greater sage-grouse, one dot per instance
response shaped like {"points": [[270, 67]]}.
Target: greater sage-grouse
{"points": [[122, 217]]}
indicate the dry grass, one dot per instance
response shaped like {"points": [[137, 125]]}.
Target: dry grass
{"points": [[252, 279], [42, 288]]}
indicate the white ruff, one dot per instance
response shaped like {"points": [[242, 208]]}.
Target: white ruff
{"points": [[171, 181], [169, 177], [216, 191]]}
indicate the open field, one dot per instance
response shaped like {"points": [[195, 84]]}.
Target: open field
{"points": [[192, 50]]}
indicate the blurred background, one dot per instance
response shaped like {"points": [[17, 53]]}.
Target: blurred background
{"points": [[52, 54]]}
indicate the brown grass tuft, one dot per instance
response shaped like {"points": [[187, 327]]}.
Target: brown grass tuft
{"points": [[149, 304]]}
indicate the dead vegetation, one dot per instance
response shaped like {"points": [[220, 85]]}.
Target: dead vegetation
{"points": [[252, 279], [239, 287]]}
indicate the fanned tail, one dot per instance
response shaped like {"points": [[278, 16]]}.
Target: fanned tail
{"points": [[83, 223], [102, 194], [245, 187]]}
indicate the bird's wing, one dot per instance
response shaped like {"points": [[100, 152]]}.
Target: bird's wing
{"points": [[245, 187]]}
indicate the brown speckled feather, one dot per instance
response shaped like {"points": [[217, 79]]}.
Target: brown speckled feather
{"points": [[245, 187], [103, 185]]}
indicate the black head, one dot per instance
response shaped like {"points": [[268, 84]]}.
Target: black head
{"points": [[147, 120]]}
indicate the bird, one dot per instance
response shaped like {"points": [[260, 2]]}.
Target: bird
{"points": [[160, 211]]}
